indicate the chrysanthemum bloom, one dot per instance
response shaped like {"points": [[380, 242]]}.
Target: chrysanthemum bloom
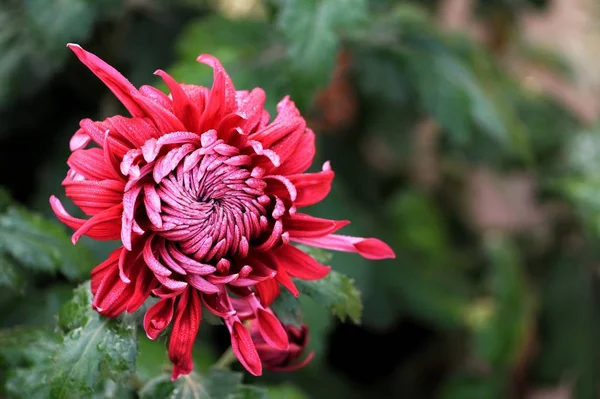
{"points": [[203, 191], [283, 360]]}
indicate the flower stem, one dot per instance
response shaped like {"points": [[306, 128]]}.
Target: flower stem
{"points": [[226, 359]]}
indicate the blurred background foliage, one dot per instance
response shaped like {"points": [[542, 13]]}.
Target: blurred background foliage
{"points": [[462, 132]]}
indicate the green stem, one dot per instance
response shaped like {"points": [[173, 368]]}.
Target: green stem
{"points": [[135, 382], [226, 359]]}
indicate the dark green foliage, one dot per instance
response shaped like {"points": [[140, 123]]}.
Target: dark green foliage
{"points": [[216, 384], [75, 363]]}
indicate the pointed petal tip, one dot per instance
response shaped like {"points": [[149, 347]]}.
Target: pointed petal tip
{"points": [[74, 46], [374, 248]]}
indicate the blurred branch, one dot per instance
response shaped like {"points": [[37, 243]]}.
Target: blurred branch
{"points": [[455, 14], [583, 106], [425, 162]]}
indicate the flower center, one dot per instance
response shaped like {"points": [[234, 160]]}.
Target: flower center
{"points": [[212, 209]]}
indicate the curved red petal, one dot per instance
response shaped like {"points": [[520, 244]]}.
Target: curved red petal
{"points": [[94, 196], [312, 187], [187, 112], [103, 226], [302, 225], [267, 291], [302, 156], [370, 248], [144, 283], [185, 328], [112, 294], [271, 330], [299, 264], [90, 164], [116, 82], [135, 130], [158, 317], [244, 349], [98, 272], [292, 367], [221, 100]]}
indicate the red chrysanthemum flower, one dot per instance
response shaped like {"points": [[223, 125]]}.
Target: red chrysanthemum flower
{"points": [[203, 191], [283, 360]]}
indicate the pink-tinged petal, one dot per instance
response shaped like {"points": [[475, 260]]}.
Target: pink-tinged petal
{"points": [[163, 118], [294, 366], [198, 95], [98, 273], [101, 226], [282, 276], [183, 107], [218, 304], [90, 164], [287, 121], [312, 187], [157, 96], [185, 328], [116, 82], [223, 279], [299, 264], [301, 225], [172, 284], [271, 330], [127, 221], [152, 204], [169, 162], [144, 283], [152, 147], [370, 248], [201, 284], [302, 156], [112, 162], [158, 317], [190, 265], [94, 197], [79, 140], [251, 109], [128, 259], [270, 157], [244, 349], [221, 100], [286, 147], [281, 186], [153, 263], [97, 131], [111, 294], [165, 292], [135, 130], [242, 308]]}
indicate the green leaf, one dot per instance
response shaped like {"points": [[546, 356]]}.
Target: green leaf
{"points": [[312, 28], [501, 335], [251, 392], [92, 349], [287, 308], [286, 391], [23, 346], [217, 384], [320, 255], [12, 277], [33, 38], [336, 292], [41, 245]]}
